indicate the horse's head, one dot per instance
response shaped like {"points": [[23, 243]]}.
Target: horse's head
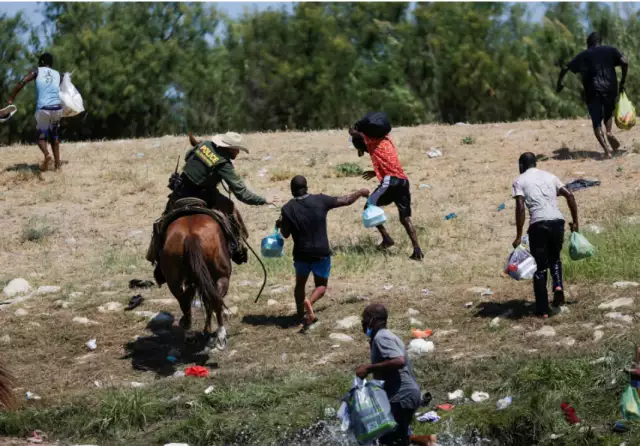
{"points": [[192, 140]]}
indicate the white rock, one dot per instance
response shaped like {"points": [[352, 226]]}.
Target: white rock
{"points": [[231, 311], [109, 307], [21, 312], [92, 344], [627, 319], [479, 397], [458, 356], [348, 322], [415, 322], [63, 304], [179, 374], [76, 294], [340, 337], [569, 342], [208, 390], [16, 287], [468, 305], [272, 302], [412, 312], [455, 395], [483, 291], [597, 335], [48, 289], [144, 313], [517, 328], [163, 301], [546, 332], [84, 321], [616, 303], [136, 385], [495, 322], [279, 290], [420, 347], [6, 339], [388, 287], [443, 333], [70, 241], [232, 353], [626, 285]]}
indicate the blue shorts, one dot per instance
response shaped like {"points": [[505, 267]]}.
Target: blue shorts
{"points": [[319, 268]]}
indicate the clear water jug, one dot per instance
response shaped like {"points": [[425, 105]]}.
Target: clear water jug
{"points": [[272, 245], [373, 216]]}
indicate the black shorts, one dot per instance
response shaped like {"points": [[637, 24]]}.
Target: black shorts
{"points": [[601, 107], [393, 190]]}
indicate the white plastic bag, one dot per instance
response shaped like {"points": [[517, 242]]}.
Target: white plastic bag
{"points": [[72, 103], [521, 265]]}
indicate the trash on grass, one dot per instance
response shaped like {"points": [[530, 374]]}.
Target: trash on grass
{"points": [[197, 371], [434, 153], [581, 183], [479, 397], [368, 410], [431, 417], [503, 403], [446, 407], [455, 395], [421, 334], [32, 396], [208, 390]]}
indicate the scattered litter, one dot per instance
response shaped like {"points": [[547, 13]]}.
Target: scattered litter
{"points": [[495, 322], [479, 397], [446, 407], [137, 283], [272, 302], [139, 155], [61, 304], [569, 342], [456, 395], [431, 417], [421, 334], [267, 158], [21, 312], [84, 321], [503, 403], [144, 313], [570, 414], [32, 396], [478, 290], [426, 292], [581, 184], [450, 216], [208, 390], [335, 346], [136, 385], [348, 322], [197, 371], [468, 305], [487, 292], [425, 186], [48, 289], [98, 384], [134, 302], [626, 285], [595, 229], [284, 357], [340, 337], [461, 123], [412, 312], [616, 303], [420, 347], [509, 133], [262, 172], [92, 344], [388, 287], [627, 319], [329, 412], [179, 374], [434, 153], [76, 294], [16, 287]]}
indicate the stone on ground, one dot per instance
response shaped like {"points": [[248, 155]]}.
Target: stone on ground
{"points": [[6, 339], [48, 289], [412, 312], [144, 313], [21, 312], [627, 319], [348, 322], [415, 322], [545, 332], [495, 322], [84, 321], [272, 302], [63, 304], [109, 307], [597, 335], [341, 337], [626, 285], [616, 303], [16, 287]]}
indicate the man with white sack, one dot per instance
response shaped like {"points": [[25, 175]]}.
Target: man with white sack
{"points": [[49, 108]]}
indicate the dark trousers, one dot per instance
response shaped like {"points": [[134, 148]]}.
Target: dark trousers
{"points": [[545, 240], [400, 436]]}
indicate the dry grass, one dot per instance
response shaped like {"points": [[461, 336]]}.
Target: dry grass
{"points": [[107, 198]]}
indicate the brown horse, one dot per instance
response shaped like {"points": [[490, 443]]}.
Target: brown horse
{"points": [[195, 259]]}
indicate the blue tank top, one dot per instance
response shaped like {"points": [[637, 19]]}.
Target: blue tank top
{"points": [[47, 88]]}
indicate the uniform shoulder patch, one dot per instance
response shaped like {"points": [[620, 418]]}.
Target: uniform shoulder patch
{"points": [[207, 155]]}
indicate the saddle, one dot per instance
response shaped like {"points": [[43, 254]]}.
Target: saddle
{"points": [[192, 206]]}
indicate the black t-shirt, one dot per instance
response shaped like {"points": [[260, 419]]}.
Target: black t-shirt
{"points": [[307, 219], [597, 67]]}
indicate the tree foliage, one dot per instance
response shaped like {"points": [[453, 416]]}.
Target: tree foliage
{"points": [[157, 68]]}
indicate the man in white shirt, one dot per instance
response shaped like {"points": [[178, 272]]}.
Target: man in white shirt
{"points": [[538, 190]]}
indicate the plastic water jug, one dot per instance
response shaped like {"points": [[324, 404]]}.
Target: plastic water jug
{"points": [[272, 245], [373, 216], [521, 264]]}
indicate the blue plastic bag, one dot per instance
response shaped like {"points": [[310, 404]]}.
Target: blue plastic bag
{"points": [[272, 245], [369, 410]]}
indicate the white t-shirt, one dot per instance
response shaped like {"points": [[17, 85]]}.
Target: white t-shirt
{"points": [[540, 191]]}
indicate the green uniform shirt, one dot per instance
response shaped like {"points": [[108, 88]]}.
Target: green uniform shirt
{"points": [[206, 167]]}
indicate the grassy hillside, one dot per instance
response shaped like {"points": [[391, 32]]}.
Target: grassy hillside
{"points": [[86, 230]]}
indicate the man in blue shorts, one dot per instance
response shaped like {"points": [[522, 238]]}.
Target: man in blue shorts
{"points": [[305, 219]]}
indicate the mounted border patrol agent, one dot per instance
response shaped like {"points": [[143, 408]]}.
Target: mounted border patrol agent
{"points": [[207, 164]]}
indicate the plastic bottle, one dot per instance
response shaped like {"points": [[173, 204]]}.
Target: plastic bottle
{"points": [[501, 207], [450, 216]]}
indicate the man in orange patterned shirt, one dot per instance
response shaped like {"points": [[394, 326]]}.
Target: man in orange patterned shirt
{"points": [[394, 184]]}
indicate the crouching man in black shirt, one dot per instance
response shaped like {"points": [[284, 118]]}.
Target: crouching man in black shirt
{"points": [[305, 219]]}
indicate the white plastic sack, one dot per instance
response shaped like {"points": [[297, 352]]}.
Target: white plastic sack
{"points": [[521, 265], [72, 103]]}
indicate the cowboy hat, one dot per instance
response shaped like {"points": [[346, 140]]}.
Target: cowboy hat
{"points": [[231, 140], [7, 112]]}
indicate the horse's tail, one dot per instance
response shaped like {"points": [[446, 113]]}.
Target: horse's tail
{"points": [[205, 284], [6, 397]]}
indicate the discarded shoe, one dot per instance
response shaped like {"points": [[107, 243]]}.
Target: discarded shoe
{"points": [[134, 302], [137, 283]]}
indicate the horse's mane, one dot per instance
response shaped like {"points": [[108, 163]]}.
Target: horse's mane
{"points": [[6, 397]]}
